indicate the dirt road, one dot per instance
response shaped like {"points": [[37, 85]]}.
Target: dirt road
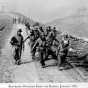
{"points": [[26, 72], [30, 71]]}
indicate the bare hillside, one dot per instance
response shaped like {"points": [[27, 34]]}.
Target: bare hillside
{"points": [[75, 24]]}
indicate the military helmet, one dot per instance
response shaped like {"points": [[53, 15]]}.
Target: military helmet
{"points": [[54, 27], [20, 30]]}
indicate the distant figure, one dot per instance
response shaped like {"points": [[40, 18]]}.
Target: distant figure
{"points": [[18, 44]]}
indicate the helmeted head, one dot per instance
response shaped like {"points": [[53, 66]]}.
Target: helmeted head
{"points": [[66, 35], [19, 32], [41, 29], [27, 25], [49, 28], [54, 27], [36, 27], [42, 36]]}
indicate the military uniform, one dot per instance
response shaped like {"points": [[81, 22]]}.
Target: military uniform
{"points": [[17, 43], [40, 42], [64, 50]]}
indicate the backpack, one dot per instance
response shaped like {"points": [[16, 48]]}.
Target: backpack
{"points": [[13, 41]]}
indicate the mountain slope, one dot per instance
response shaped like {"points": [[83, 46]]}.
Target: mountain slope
{"points": [[75, 24]]}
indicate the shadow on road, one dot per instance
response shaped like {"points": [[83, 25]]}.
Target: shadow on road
{"points": [[27, 62], [51, 65]]}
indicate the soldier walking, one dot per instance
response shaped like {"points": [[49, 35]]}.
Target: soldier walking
{"points": [[40, 43], [18, 44]]}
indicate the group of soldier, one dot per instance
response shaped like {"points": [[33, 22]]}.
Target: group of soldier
{"points": [[43, 40]]}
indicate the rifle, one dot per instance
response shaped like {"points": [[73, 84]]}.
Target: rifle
{"points": [[26, 39]]}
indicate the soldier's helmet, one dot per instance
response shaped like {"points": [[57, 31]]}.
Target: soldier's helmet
{"points": [[36, 27], [54, 27], [42, 35], [41, 29], [49, 28], [20, 30]]}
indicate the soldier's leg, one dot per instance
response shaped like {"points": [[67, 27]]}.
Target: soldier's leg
{"points": [[62, 59], [16, 55], [46, 53], [42, 59], [19, 56], [33, 54], [32, 51], [64, 56]]}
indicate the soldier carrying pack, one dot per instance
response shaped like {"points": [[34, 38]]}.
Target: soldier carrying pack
{"points": [[18, 44]]}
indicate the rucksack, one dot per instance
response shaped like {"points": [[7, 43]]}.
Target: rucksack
{"points": [[13, 41]]}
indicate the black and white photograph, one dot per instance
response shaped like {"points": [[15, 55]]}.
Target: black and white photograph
{"points": [[43, 41]]}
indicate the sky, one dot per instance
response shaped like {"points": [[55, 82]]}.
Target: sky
{"points": [[44, 10]]}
